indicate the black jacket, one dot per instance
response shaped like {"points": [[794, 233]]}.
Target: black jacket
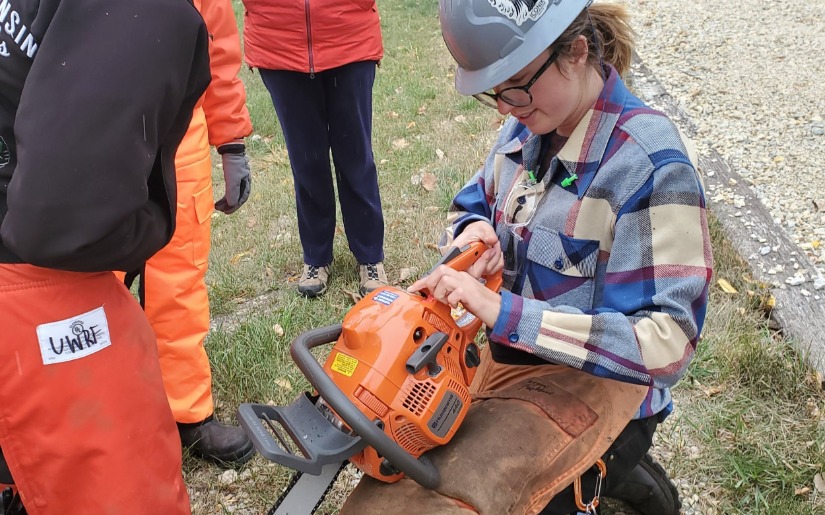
{"points": [[95, 96]]}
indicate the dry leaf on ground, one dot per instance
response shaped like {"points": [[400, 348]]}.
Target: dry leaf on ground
{"points": [[496, 122], [355, 296], [237, 257], [284, 383], [714, 390], [819, 483], [406, 273], [428, 181], [726, 286]]}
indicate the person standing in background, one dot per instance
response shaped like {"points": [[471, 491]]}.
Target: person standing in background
{"points": [[318, 59], [174, 291], [95, 97]]}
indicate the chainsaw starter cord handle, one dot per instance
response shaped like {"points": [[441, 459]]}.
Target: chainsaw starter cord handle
{"points": [[421, 470]]}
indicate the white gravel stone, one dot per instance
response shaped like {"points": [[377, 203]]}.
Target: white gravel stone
{"points": [[795, 280], [228, 477]]}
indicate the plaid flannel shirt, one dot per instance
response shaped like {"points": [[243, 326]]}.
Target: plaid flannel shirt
{"points": [[608, 272]]}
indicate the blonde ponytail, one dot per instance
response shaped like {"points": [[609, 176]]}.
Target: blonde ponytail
{"points": [[610, 39]]}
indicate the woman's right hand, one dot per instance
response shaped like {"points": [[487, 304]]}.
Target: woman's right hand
{"points": [[492, 260]]}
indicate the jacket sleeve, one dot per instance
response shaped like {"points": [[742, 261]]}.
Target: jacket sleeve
{"points": [[224, 103], [106, 102]]}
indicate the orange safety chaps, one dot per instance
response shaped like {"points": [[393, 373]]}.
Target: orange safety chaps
{"points": [[176, 300], [84, 423]]}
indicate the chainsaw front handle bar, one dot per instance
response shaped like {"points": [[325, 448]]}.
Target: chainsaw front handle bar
{"points": [[421, 470]]}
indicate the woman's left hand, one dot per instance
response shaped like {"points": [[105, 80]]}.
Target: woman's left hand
{"points": [[453, 287]]}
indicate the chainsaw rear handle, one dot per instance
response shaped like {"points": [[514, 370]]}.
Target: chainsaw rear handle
{"points": [[320, 442], [421, 470]]}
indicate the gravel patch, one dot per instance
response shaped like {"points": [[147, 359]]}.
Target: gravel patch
{"points": [[750, 75]]}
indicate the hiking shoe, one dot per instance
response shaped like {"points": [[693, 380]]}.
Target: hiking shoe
{"points": [[226, 446], [313, 281], [647, 489], [372, 277]]}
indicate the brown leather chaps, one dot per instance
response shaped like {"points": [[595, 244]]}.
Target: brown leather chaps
{"points": [[530, 432]]}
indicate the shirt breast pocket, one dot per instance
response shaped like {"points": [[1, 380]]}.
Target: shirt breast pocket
{"points": [[561, 269]]}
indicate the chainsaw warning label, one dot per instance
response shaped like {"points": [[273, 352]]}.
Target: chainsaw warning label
{"points": [[445, 415], [344, 364]]}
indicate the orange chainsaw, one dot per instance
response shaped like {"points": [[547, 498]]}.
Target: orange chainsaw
{"points": [[394, 386]]}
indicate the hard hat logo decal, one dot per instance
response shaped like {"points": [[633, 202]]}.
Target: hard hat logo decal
{"points": [[521, 10]]}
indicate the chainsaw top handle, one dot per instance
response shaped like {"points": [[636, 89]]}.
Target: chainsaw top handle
{"points": [[421, 470], [462, 258]]}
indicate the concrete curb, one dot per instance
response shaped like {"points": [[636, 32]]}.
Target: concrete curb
{"points": [[748, 224]]}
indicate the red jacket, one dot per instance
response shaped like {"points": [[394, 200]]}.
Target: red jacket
{"points": [[310, 35]]}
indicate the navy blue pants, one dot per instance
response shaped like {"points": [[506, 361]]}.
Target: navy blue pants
{"points": [[331, 110]]}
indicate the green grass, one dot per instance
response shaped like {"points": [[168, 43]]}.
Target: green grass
{"points": [[748, 429]]}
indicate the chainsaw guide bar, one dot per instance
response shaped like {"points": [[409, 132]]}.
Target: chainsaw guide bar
{"points": [[298, 496]]}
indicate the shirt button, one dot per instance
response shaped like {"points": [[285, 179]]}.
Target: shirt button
{"points": [[558, 264], [513, 337]]}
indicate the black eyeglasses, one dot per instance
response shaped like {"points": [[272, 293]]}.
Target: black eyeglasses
{"points": [[516, 96]]}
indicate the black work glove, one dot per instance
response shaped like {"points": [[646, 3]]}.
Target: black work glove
{"points": [[236, 176]]}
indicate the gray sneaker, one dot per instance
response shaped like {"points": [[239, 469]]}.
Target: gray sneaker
{"points": [[372, 276], [313, 281]]}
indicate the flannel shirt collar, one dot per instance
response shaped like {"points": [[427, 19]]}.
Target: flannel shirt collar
{"points": [[582, 153]]}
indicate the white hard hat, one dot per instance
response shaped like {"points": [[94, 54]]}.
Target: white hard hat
{"points": [[491, 40]]}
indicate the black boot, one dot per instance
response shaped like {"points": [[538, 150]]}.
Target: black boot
{"points": [[11, 503], [647, 489], [225, 445]]}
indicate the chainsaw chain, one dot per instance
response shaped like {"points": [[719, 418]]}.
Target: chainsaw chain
{"points": [[291, 485]]}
